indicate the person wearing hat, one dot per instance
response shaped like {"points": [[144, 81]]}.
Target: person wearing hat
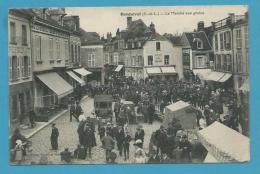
{"points": [[72, 109], [109, 145], [161, 140], [54, 137], [185, 146], [78, 111], [140, 155], [19, 157], [126, 144], [120, 135], [207, 114], [139, 134]]}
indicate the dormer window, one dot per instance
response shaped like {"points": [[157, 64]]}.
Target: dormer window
{"points": [[199, 44], [139, 44], [133, 45]]}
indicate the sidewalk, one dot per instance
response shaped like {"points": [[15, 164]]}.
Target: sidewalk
{"points": [[29, 132]]}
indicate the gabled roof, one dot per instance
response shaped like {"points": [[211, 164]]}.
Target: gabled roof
{"points": [[90, 38], [175, 40], [192, 37]]}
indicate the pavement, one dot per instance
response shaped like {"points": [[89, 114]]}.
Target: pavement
{"points": [[68, 138]]}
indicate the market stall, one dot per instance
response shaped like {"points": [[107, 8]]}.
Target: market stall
{"points": [[182, 111], [224, 143]]}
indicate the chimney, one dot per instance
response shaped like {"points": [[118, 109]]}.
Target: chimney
{"points": [[117, 33], [129, 21], [231, 17], [76, 22], [246, 15], [200, 26], [213, 25], [109, 36], [152, 27]]}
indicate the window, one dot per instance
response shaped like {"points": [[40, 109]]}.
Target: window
{"points": [[246, 37], [116, 58], [199, 44], [238, 38], [239, 62], [218, 62], [72, 52], [139, 44], [216, 42], [15, 68], [58, 49], [222, 41], [66, 47], [76, 53], [91, 60], [12, 33], [200, 62], [25, 66], [133, 45], [227, 40], [158, 46], [166, 59], [139, 60], [133, 61], [150, 60], [229, 63], [24, 35], [106, 58], [37, 49], [51, 49]]}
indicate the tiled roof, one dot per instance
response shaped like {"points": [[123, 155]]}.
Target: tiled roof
{"points": [[193, 36]]}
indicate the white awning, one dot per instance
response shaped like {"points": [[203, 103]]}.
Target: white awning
{"points": [[153, 70], [215, 76], [224, 143], [118, 68], [56, 83], [82, 71], [225, 77], [202, 73], [245, 86], [75, 77], [168, 70], [178, 105]]}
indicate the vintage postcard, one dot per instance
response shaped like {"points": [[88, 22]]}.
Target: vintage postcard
{"points": [[117, 85]]}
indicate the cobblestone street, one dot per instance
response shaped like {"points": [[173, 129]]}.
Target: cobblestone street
{"points": [[69, 138]]}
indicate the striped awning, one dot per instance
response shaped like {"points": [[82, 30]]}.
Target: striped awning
{"points": [[56, 83], [119, 68], [168, 70], [76, 78], [153, 70]]}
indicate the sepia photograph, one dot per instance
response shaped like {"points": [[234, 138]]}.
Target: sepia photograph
{"points": [[128, 85]]}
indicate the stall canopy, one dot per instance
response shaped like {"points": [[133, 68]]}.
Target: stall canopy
{"points": [[182, 111], [119, 68], [153, 70], [224, 143], [168, 70], [75, 77], [82, 71], [56, 83], [245, 86], [217, 76]]}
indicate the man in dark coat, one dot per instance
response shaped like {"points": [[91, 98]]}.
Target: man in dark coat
{"points": [[78, 111], [186, 148], [88, 139], [32, 116], [120, 139], [54, 137], [139, 135], [161, 140], [80, 131], [151, 111], [117, 110], [109, 145], [80, 152], [72, 111], [66, 155], [126, 145]]}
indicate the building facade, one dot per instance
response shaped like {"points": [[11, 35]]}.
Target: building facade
{"points": [[196, 53], [231, 50], [93, 60], [20, 65]]}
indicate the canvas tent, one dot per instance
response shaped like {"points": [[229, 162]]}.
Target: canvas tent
{"points": [[182, 111], [224, 143]]}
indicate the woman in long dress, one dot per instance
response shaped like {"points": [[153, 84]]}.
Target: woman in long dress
{"points": [[140, 156], [19, 156]]}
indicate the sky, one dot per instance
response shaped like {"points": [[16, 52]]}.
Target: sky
{"points": [[167, 19]]}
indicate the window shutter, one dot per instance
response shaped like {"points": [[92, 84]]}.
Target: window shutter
{"points": [[22, 67], [29, 67], [10, 68], [18, 67]]}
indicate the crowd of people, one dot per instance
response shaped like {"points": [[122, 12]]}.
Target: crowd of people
{"points": [[167, 145]]}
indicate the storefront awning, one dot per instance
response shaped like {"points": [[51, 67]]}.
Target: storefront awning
{"points": [[225, 77], [168, 70], [245, 86], [153, 70], [118, 68], [75, 77], [82, 71], [215, 76], [202, 73], [56, 83]]}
